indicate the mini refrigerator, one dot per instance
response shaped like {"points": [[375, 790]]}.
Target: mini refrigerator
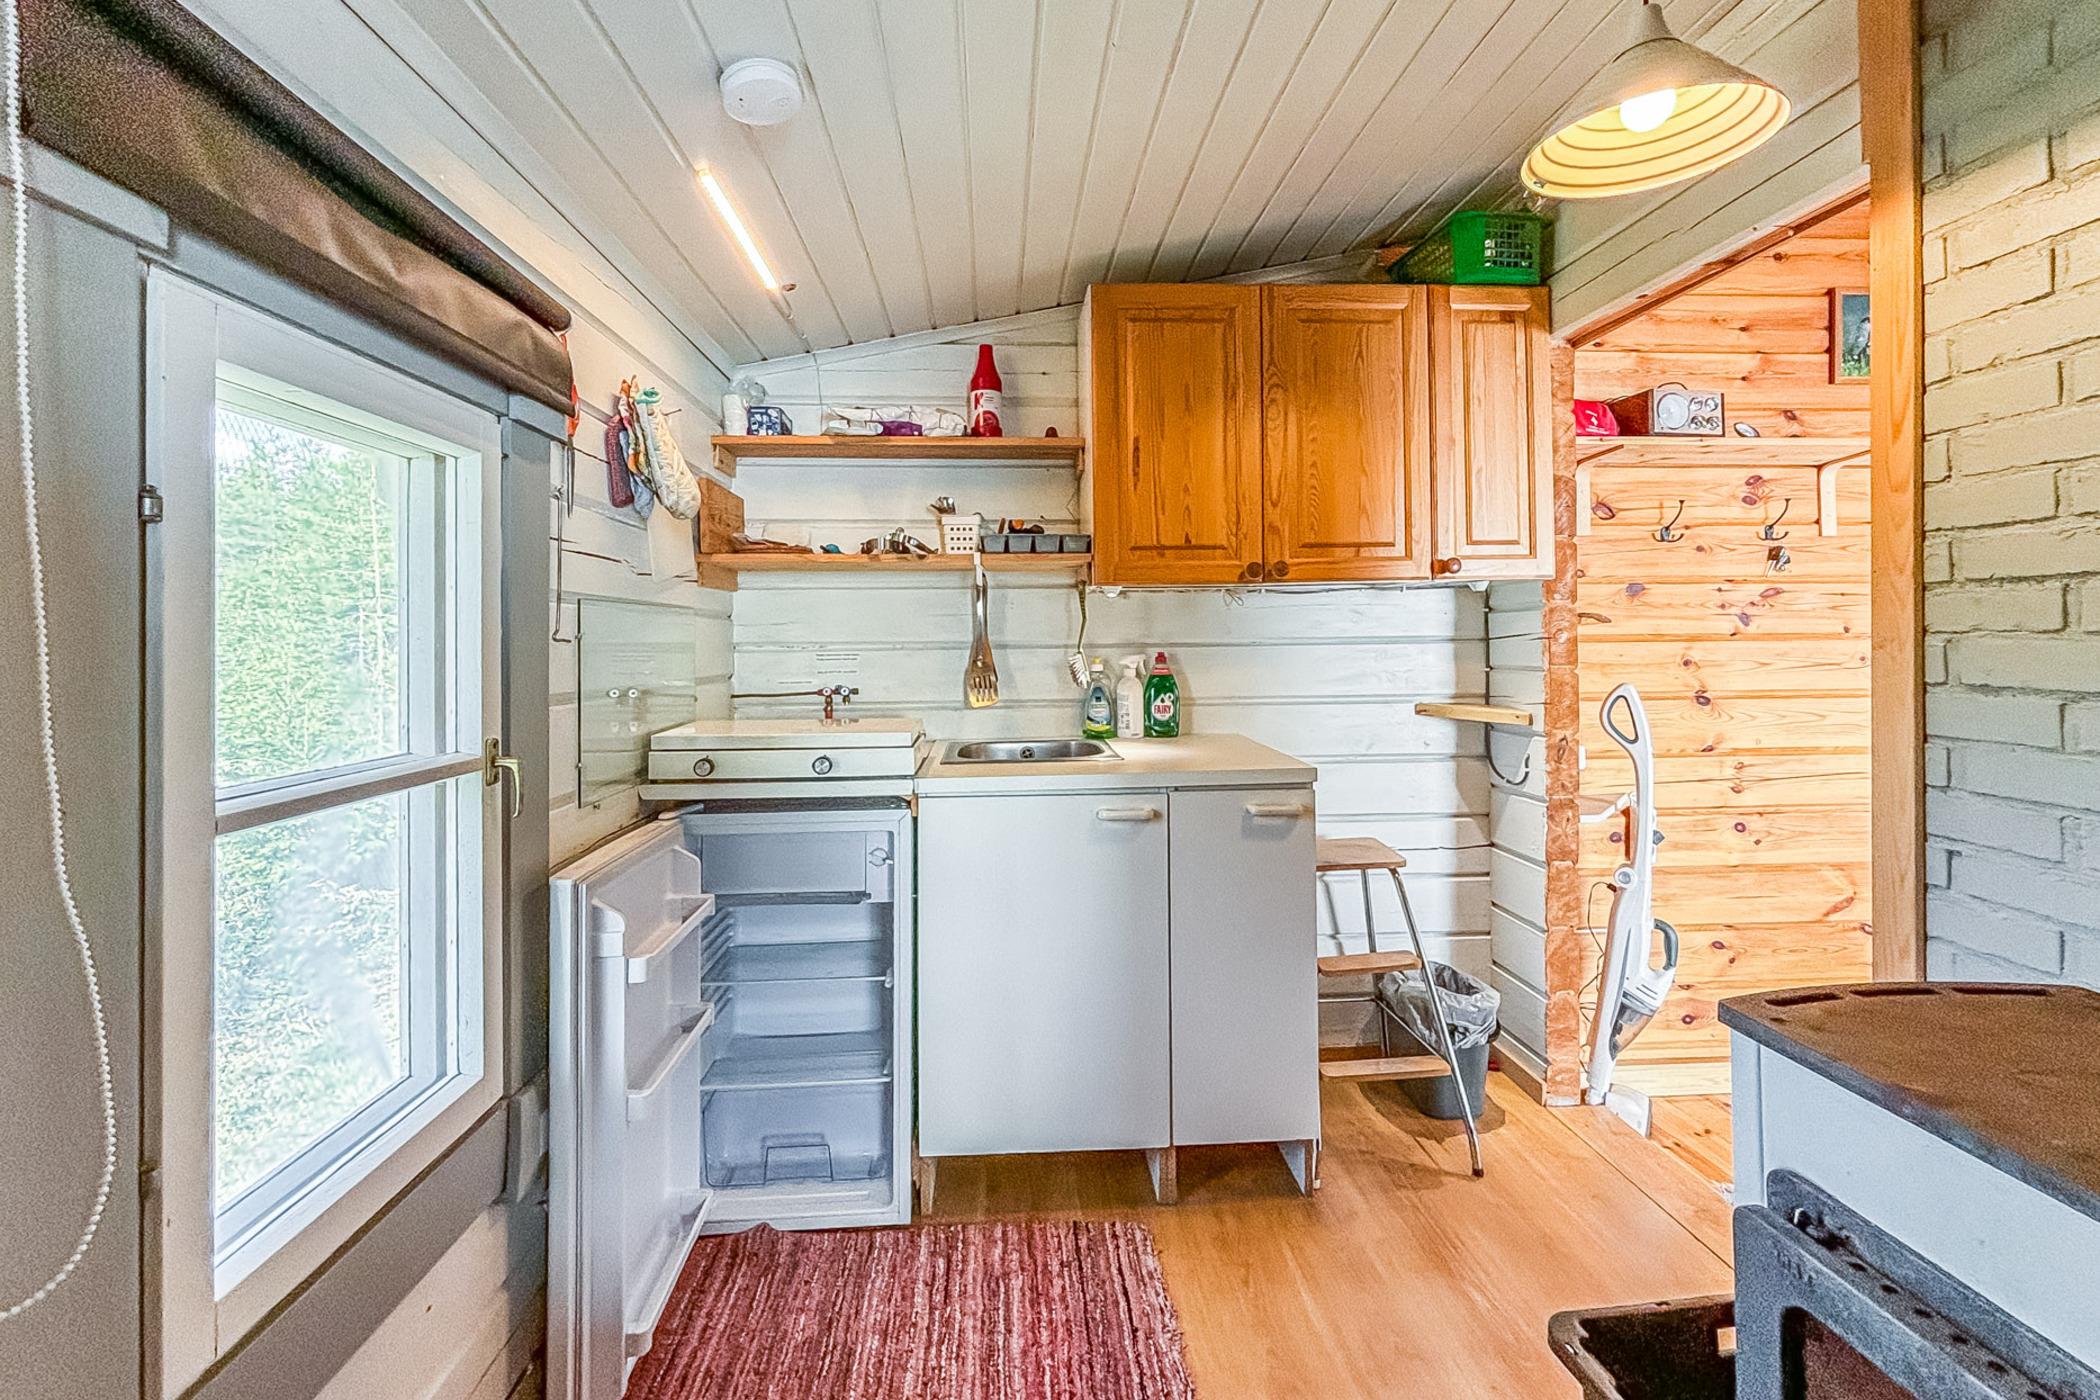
{"points": [[730, 1045]]}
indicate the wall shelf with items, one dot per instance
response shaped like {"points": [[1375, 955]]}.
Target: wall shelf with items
{"points": [[1066, 452]]}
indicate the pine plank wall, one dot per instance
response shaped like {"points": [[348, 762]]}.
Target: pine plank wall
{"points": [[1755, 682]]}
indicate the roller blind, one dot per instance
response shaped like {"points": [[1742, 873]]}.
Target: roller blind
{"points": [[145, 94]]}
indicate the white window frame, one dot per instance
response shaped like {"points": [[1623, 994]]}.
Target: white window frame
{"points": [[213, 1293]]}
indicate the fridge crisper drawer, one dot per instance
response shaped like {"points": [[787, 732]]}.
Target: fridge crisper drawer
{"points": [[816, 1134]]}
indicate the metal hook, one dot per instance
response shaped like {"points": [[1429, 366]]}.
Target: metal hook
{"points": [[1670, 534], [1771, 531]]}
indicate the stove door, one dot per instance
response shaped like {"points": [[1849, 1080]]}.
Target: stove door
{"points": [[1828, 1307]]}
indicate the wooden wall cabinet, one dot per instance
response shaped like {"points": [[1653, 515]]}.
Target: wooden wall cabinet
{"points": [[1322, 433]]}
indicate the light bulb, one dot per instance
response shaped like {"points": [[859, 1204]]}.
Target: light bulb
{"points": [[1648, 111]]}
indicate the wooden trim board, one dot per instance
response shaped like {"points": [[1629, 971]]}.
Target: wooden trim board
{"points": [[1890, 134]]}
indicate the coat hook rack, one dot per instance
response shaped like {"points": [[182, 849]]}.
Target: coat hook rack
{"points": [[1670, 534], [1771, 530]]}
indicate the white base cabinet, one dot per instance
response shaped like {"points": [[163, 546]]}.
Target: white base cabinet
{"points": [[1116, 970], [1043, 983]]}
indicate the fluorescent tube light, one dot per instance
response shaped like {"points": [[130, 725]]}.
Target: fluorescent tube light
{"points": [[726, 212]]}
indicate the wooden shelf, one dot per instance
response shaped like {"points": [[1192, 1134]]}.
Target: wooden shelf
{"points": [[1731, 451], [1481, 714], [895, 563], [1066, 452]]}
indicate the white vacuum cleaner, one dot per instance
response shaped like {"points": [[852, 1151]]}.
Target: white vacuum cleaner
{"points": [[1632, 986]]}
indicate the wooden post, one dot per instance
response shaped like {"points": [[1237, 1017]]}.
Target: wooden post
{"points": [[1891, 136]]}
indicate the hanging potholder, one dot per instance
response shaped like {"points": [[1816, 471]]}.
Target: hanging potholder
{"points": [[667, 471]]}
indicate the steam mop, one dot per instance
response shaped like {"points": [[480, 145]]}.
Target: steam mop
{"points": [[1632, 985]]}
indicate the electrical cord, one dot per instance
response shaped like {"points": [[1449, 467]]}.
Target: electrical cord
{"points": [[18, 213]]}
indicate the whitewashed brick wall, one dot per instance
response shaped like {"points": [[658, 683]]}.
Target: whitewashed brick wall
{"points": [[2012, 496]]}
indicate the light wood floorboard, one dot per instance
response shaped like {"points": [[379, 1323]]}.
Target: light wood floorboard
{"points": [[1696, 1130], [1403, 1275]]}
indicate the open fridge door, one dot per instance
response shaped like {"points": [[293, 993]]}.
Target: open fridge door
{"points": [[629, 1020]]}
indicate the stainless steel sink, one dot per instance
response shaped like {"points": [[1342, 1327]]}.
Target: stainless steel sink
{"points": [[1029, 751]]}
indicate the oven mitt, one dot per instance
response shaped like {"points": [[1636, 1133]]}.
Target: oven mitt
{"points": [[619, 485], [666, 470]]}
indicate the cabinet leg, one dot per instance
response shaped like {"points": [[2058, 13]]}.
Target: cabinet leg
{"points": [[1302, 1156], [923, 1176], [1160, 1161]]}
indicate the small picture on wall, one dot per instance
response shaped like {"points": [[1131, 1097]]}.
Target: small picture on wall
{"points": [[1851, 337]]}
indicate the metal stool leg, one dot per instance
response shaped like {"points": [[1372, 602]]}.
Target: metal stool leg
{"points": [[1385, 1035], [1443, 1025]]}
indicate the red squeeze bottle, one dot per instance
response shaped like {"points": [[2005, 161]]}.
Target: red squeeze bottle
{"points": [[984, 396]]}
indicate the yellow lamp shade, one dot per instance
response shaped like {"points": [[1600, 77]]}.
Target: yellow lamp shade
{"points": [[1662, 111]]}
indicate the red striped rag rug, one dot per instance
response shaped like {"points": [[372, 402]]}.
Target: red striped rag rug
{"points": [[1048, 1310]]}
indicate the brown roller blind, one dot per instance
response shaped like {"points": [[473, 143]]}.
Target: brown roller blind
{"points": [[145, 94]]}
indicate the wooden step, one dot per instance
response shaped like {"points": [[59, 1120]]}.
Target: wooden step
{"points": [[1379, 1071], [1367, 964]]}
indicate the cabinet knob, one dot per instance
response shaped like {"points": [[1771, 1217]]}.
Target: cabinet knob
{"points": [[1280, 570], [1251, 571], [1449, 566]]}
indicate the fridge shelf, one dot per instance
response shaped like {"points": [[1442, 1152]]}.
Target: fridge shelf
{"points": [[862, 960], [800, 1061], [762, 899]]}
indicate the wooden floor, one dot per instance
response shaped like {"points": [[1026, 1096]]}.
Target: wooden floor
{"points": [[1696, 1130], [1403, 1275]]}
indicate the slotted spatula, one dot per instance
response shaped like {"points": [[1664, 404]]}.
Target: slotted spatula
{"points": [[981, 676]]}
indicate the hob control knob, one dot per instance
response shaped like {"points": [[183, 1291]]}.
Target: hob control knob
{"points": [[703, 767], [820, 765]]}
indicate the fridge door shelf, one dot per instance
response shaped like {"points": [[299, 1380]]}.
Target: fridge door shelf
{"points": [[643, 1099], [679, 1240], [644, 958]]}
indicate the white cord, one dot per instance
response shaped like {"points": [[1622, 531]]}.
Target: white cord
{"points": [[18, 210]]}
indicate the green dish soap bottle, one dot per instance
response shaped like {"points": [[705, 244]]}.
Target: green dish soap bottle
{"points": [[1098, 715], [1162, 701]]}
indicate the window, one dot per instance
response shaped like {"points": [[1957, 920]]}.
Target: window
{"points": [[324, 592]]}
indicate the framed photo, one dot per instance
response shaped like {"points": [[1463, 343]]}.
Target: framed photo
{"points": [[1851, 336]]}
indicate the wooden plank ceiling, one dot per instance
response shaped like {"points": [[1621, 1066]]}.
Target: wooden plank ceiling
{"points": [[962, 160]]}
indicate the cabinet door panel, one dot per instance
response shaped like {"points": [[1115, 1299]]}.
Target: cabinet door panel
{"points": [[1346, 424], [1493, 474], [1246, 1018], [1043, 974], [1176, 433]]}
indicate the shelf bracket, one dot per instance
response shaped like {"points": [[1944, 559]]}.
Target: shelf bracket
{"points": [[1827, 490]]}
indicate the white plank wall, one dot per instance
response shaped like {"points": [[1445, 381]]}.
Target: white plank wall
{"points": [[1609, 251], [609, 553], [1330, 675], [1517, 817]]}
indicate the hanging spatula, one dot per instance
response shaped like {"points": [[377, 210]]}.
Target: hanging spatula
{"points": [[981, 676]]}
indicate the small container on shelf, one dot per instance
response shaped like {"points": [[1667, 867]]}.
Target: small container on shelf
{"points": [[961, 534], [1076, 544]]}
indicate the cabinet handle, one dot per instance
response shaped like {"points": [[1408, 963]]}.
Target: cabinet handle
{"points": [[1449, 566], [1282, 570], [1287, 811], [1252, 571], [1126, 814]]}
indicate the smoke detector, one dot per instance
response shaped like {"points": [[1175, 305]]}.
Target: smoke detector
{"points": [[761, 91]]}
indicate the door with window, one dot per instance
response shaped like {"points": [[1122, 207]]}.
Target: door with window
{"points": [[324, 678]]}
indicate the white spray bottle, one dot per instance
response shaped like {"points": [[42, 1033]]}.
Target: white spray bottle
{"points": [[1130, 698]]}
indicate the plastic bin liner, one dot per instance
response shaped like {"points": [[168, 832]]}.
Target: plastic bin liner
{"points": [[1469, 1005]]}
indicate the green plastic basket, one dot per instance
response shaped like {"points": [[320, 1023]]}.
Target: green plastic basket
{"points": [[1477, 246]]}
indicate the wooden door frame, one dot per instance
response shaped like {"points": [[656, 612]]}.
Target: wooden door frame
{"points": [[1891, 137]]}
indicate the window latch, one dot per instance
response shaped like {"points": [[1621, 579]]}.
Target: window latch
{"points": [[495, 766]]}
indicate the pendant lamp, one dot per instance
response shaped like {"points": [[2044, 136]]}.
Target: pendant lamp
{"points": [[1662, 111]]}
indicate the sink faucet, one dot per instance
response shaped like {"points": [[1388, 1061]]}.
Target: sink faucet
{"points": [[831, 695]]}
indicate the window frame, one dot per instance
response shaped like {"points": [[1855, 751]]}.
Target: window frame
{"points": [[212, 1296]]}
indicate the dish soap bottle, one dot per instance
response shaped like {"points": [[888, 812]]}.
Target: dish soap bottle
{"points": [[1162, 701], [1098, 716], [1130, 699]]}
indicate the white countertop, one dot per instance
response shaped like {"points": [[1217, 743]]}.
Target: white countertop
{"points": [[1195, 760]]}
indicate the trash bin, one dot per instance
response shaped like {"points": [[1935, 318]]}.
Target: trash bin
{"points": [[1469, 1007], [1653, 1351]]}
